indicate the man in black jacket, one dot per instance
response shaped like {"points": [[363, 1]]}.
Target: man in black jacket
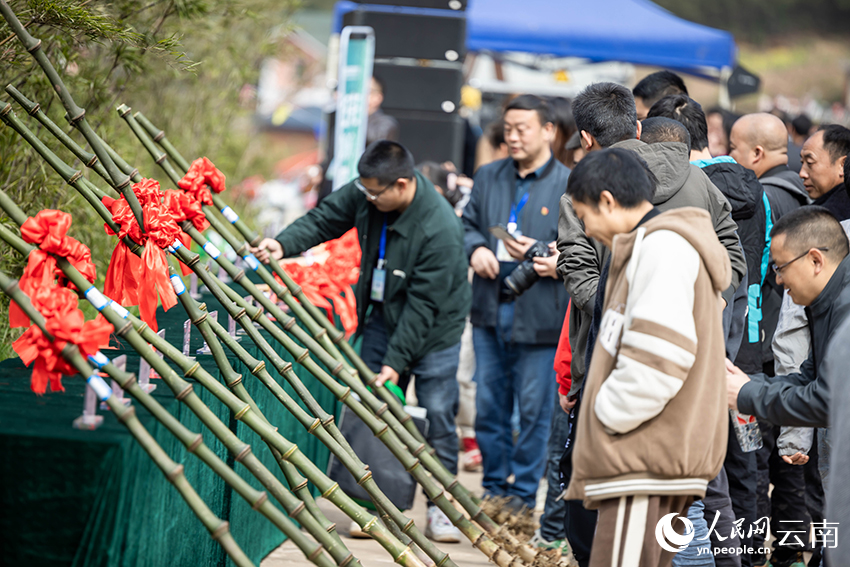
{"points": [[515, 336], [809, 250], [823, 169]]}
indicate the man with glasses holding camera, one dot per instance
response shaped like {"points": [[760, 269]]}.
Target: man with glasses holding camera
{"points": [[412, 296], [518, 307]]}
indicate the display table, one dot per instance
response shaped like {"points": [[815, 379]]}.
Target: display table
{"points": [[94, 498]]}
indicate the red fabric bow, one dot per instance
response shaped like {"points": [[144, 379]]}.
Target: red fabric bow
{"points": [[48, 230], [127, 272], [332, 280], [65, 322], [183, 207], [201, 177]]}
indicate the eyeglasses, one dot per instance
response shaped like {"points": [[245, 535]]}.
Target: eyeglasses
{"points": [[373, 196], [778, 269]]}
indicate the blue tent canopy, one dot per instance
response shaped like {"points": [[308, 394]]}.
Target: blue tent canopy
{"points": [[634, 31]]}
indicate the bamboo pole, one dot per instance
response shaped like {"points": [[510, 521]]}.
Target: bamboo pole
{"points": [[76, 114], [323, 531], [173, 472]]}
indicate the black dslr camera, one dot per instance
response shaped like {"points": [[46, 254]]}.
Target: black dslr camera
{"points": [[524, 276]]}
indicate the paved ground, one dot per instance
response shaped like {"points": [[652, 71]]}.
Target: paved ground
{"points": [[372, 554]]}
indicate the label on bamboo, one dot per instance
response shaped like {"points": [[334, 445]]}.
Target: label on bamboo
{"points": [[177, 284], [100, 387], [98, 359], [123, 313], [97, 299], [175, 247], [230, 214], [252, 261], [211, 250]]}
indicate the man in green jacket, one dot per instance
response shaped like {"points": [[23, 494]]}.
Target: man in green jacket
{"points": [[412, 296]]}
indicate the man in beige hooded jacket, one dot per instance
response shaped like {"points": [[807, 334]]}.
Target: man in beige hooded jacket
{"points": [[654, 428]]}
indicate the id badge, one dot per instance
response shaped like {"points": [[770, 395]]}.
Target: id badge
{"points": [[379, 280], [610, 331]]}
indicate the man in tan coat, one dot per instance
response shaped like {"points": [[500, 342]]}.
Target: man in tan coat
{"points": [[654, 428]]}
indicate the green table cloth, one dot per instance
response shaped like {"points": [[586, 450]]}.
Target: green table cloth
{"points": [[94, 498]]}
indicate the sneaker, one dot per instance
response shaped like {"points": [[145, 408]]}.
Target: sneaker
{"points": [[439, 527], [470, 460], [356, 532], [560, 544]]}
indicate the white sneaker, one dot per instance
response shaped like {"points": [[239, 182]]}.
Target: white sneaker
{"points": [[439, 527]]}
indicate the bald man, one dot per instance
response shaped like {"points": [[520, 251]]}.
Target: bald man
{"points": [[760, 142]]}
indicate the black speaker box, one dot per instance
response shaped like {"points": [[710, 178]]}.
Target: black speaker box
{"points": [[411, 87], [434, 4], [413, 35], [431, 136]]}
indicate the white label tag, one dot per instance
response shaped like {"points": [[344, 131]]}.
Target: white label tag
{"points": [[610, 331], [123, 313], [96, 298], [211, 250], [252, 261], [175, 247], [100, 387], [99, 359], [230, 214], [177, 284]]}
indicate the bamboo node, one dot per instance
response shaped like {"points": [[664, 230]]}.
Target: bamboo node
{"points": [[347, 393], [78, 117], [297, 510], [243, 453], [235, 382], [291, 451], [256, 241], [337, 337], [365, 478], [287, 367], [347, 560], [161, 159], [134, 173], [74, 178], [199, 439], [126, 415], [410, 524], [315, 554], [239, 275], [6, 110], [128, 383], [120, 187], [382, 410], [415, 464], [241, 413], [185, 392], [371, 524], [192, 370], [142, 327], [303, 356], [221, 530], [260, 501], [419, 450], [289, 324], [175, 474], [453, 484], [331, 528], [159, 136], [321, 333], [333, 488], [315, 425], [338, 368], [35, 47], [259, 368], [123, 110], [34, 110], [200, 319]]}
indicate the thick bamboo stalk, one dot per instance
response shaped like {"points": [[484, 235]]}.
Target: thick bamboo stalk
{"points": [[218, 529], [76, 114], [183, 392]]}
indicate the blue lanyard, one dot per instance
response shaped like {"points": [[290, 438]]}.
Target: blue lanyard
{"points": [[383, 246], [515, 211]]}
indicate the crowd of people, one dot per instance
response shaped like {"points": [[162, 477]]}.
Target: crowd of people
{"points": [[651, 305]]}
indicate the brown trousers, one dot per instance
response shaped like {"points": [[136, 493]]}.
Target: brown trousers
{"points": [[626, 530]]}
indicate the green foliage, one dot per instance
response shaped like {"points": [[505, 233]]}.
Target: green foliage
{"points": [[755, 20], [186, 64]]}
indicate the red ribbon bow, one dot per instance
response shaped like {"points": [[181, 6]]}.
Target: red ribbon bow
{"points": [[126, 272], [65, 322], [201, 177], [48, 230], [332, 279], [183, 207]]}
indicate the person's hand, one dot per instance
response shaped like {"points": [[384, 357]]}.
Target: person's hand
{"points": [[547, 267], [484, 262], [566, 403], [797, 458], [735, 380], [268, 248], [386, 374], [517, 248]]}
